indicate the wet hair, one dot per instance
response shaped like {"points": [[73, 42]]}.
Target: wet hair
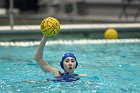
{"points": [[65, 56]]}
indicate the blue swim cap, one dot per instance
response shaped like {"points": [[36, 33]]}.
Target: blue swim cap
{"points": [[65, 56]]}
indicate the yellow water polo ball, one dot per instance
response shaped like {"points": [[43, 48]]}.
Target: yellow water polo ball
{"points": [[50, 26], [111, 33]]}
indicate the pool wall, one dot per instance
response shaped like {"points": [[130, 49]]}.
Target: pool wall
{"points": [[94, 31]]}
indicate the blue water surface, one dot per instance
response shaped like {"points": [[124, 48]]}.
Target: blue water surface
{"points": [[111, 68]]}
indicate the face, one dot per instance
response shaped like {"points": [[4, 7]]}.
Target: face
{"points": [[69, 64]]}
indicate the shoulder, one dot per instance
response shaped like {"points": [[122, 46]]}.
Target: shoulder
{"points": [[58, 74], [82, 75]]}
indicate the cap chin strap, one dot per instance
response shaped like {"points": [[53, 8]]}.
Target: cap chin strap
{"points": [[66, 73]]}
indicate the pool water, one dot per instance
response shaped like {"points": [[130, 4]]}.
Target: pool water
{"points": [[112, 68]]}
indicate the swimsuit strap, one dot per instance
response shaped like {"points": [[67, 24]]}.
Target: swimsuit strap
{"points": [[67, 74], [65, 77]]}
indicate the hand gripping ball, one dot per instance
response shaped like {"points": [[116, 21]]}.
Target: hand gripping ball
{"points": [[50, 26]]}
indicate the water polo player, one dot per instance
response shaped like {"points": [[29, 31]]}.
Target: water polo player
{"points": [[68, 63]]}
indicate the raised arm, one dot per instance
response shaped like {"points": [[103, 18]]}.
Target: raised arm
{"points": [[42, 63]]}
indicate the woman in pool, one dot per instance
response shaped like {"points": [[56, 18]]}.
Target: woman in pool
{"points": [[68, 64]]}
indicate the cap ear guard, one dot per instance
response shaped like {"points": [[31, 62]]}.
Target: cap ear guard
{"points": [[65, 56], [61, 64]]}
